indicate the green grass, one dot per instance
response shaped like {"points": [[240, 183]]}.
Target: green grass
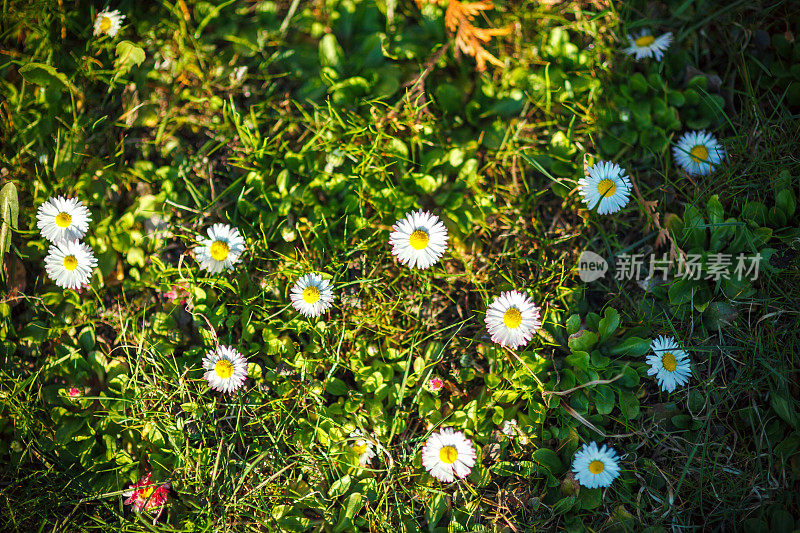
{"points": [[312, 129]]}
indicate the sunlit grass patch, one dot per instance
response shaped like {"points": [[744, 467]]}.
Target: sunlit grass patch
{"points": [[334, 279]]}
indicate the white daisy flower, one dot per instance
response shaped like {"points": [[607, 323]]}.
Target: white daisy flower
{"points": [[646, 45], [70, 264], [448, 455], [595, 467], [108, 22], [606, 187], [62, 219], [510, 428], [512, 319], [698, 153], [221, 250], [363, 448], [419, 240], [670, 364], [312, 295], [226, 369]]}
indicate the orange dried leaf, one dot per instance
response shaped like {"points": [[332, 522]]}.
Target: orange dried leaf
{"points": [[662, 238], [469, 39], [472, 9]]}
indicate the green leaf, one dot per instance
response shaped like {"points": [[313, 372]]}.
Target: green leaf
{"points": [[755, 211], [696, 401], [9, 217], [590, 498], [582, 341], [492, 380], [44, 75], [449, 98], [548, 458], [135, 256], [681, 291], [67, 428], [579, 359], [641, 113], [776, 217], [781, 521], [599, 360], [294, 523], [784, 201], [698, 81], [714, 210], [783, 407], [695, 229], [436, 508], [336, 386], [718, 314], [35, 330], [153, 435], [788, 446], [573, 324], [339, 487], [638, 83], [564, 505], [632, 346], [370, 53], [593, 321], [628, 404], [608, 324], [515, 468], [604, 399], [353, 505], [330, 53], [86, 338], [656, 81], [128, 55], [630, 378], [676, 98]]}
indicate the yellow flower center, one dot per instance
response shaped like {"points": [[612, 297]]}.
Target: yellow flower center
{"points": [[219, 250], [145, 493], [607, 188], [699, 153], [668, 362], [70, 262], [512, 318], [596, 467], [645, 40], [63, 219], [311, 295], [448, 454], [419, 239], [105, 23], [360, 448], [224, 368]]}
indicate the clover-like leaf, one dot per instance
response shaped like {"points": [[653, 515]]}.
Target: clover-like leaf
{"points": [[128, 55]]}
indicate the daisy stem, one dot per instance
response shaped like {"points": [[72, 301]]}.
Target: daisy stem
{"points": [[604, 235]]}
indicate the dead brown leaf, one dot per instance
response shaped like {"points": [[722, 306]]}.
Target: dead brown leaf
{"points": [[14, 271]]}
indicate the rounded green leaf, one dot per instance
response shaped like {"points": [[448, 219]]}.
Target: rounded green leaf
{"points": [[128, 55], [582, 341], [330, 52], [548, 458], [609, 323]]}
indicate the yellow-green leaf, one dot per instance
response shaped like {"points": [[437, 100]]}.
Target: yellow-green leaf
{"points": [[128, 55], [9, 216], [44, 75]]}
